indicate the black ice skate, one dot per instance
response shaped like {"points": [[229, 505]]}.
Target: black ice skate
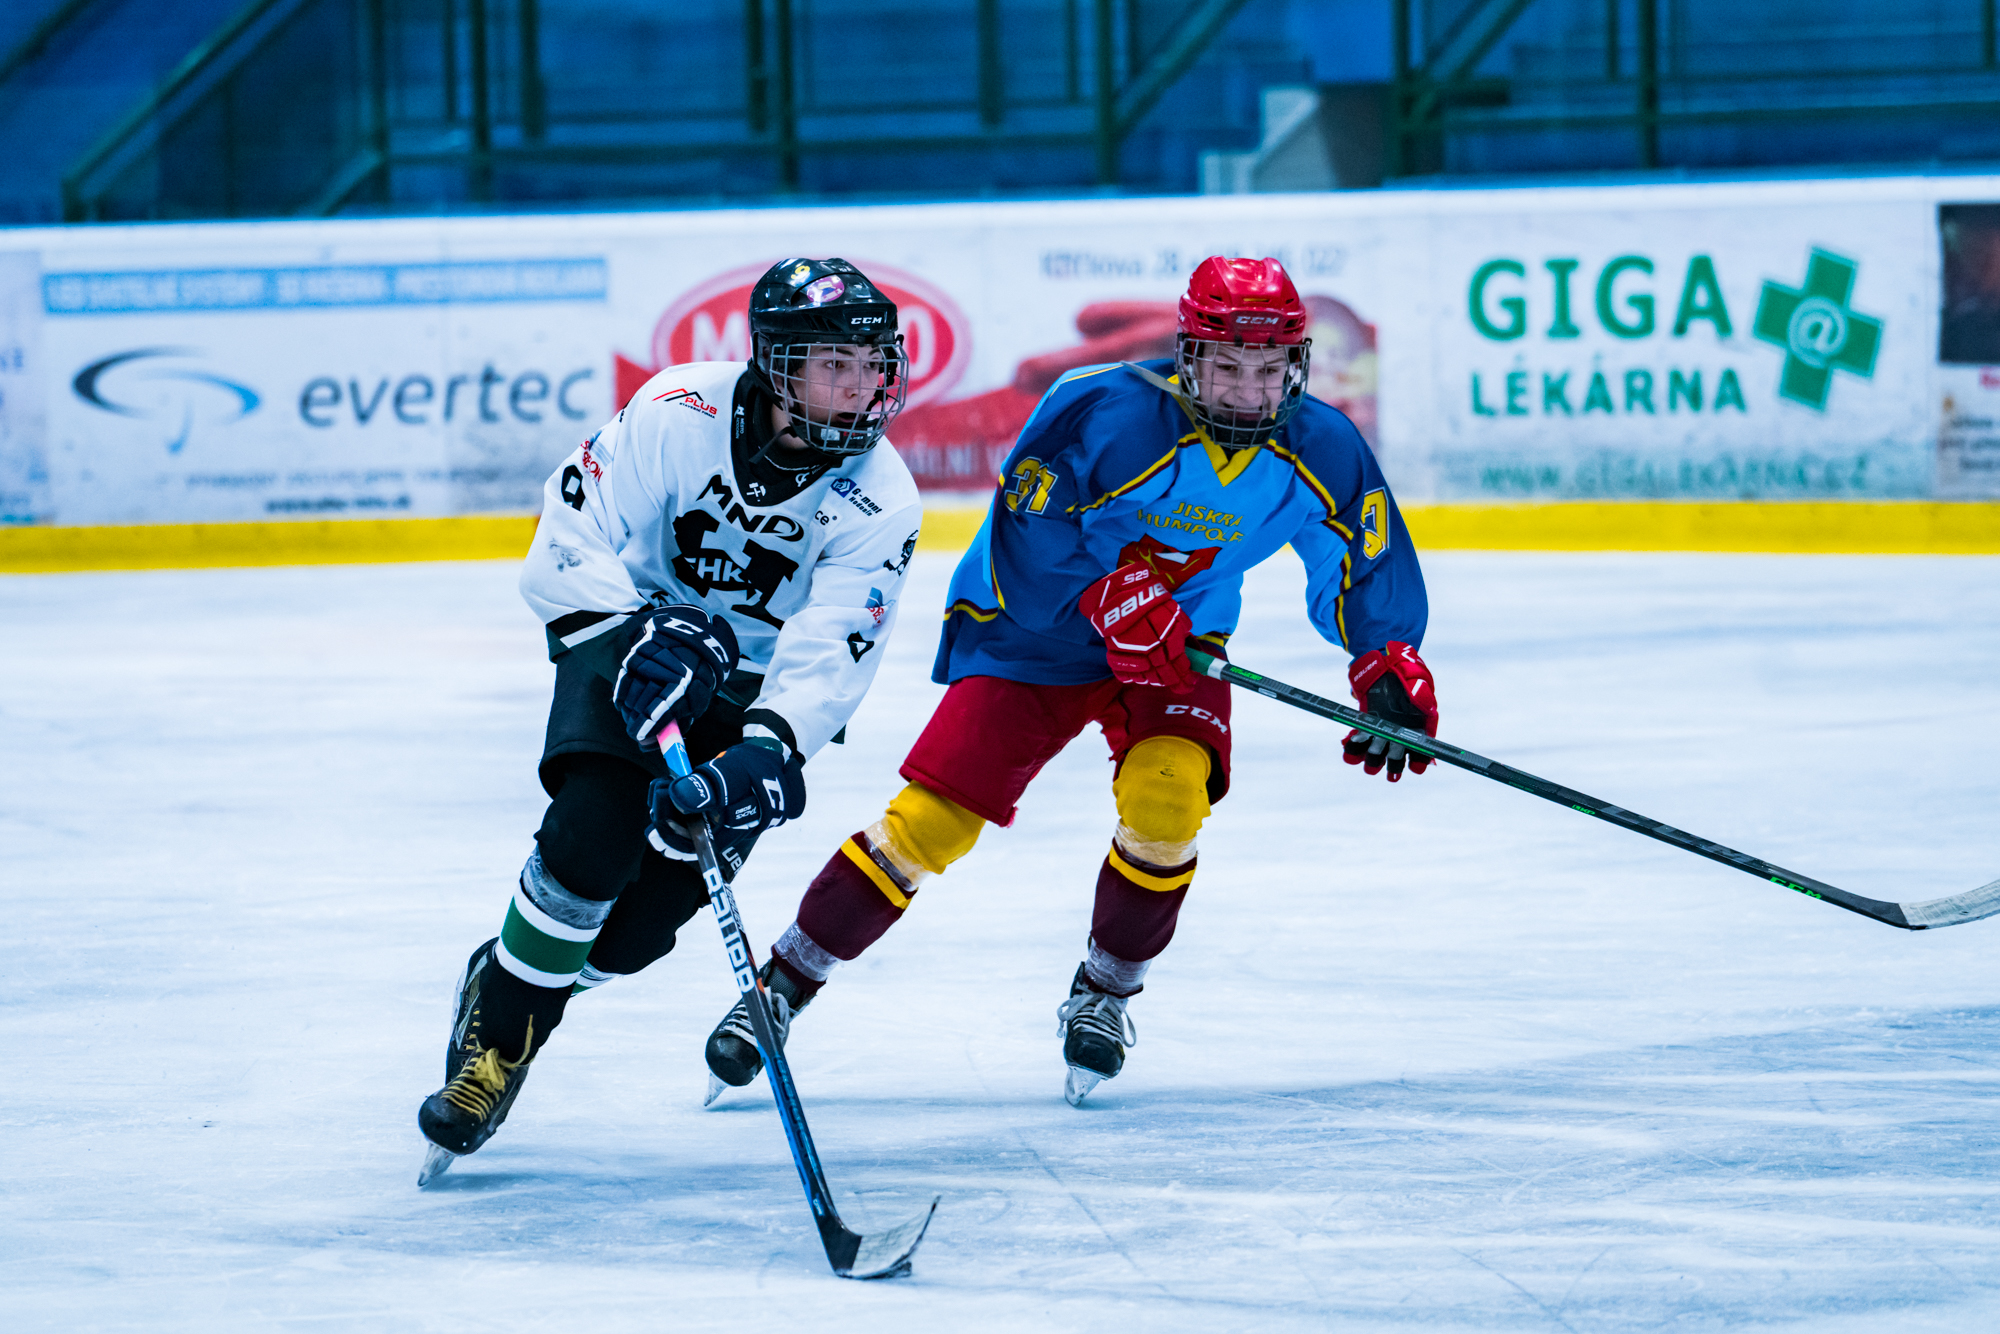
{"points": [[479, 1086], [1095, 1031], [733, 1058]]}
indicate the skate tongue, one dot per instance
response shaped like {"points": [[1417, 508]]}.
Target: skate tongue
{"points": [[1078, 1084]]}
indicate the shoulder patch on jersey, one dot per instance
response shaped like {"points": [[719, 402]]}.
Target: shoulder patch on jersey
{"points": [[901, 564], [858, 646], [688, 398], [855, 496]]}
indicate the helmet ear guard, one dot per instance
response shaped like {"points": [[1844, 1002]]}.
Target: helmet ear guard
{"points": [[1241, 303], [804, 307]]}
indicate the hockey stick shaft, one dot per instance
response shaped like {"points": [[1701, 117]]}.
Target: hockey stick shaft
{"points": [[839, 1240], [1912, 917]]}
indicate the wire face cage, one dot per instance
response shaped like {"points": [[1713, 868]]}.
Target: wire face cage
{"points": [[841, 396], [1233, 430]]}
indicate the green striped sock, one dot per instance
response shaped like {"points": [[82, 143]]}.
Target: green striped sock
{"points": [[548, 933]]}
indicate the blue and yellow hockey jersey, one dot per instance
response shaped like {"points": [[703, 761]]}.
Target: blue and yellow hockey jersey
{"points": [[1108, 458]]}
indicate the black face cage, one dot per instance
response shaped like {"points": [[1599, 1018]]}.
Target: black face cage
{"points": [[844, 434], [1233, 430]]}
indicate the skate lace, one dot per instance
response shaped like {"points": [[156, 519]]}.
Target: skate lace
{"points": [[1095, 1012], [739, 1025], [480, 1082]]}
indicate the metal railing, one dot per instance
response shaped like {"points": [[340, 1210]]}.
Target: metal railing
{"points": [[1440, 92], [458, 85]]}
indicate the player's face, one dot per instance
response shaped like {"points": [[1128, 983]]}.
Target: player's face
{"points": [[839, 381], [1245, 382]]}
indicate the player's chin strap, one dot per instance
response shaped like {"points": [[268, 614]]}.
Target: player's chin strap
{"points": [[1916, 916], [1172, 390], [1164, 385]]}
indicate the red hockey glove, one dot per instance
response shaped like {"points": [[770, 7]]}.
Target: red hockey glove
{"points": [[1174, 567], [1396, 686], [1145, 631]]}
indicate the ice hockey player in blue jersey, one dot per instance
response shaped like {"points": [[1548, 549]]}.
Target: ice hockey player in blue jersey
{"points": [[1125, 517]]}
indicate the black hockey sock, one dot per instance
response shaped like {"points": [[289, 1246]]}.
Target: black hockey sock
{"points": [[509, 1009]]}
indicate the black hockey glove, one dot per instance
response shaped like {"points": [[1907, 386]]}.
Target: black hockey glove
{"points": [[677, 662], [742, 792]]}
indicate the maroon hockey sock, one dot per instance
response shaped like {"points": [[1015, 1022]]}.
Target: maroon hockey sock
{"points": [[1136, 910], [847, 907]]}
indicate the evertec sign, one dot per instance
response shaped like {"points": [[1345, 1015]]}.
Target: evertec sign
{"points": [[1765, 340]]}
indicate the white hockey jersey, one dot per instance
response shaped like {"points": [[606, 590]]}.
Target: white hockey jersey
{"points": [[652, 504]]}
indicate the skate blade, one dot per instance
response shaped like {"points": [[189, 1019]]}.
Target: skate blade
{"points": [[1078, 1084], [437, 1162], [717, 1087]]}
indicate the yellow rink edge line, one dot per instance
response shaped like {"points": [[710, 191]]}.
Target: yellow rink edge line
{"points": [[1906, 527]]}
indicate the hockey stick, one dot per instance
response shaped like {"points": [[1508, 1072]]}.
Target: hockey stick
{"points": [[881, 1255], [1967, 907]]}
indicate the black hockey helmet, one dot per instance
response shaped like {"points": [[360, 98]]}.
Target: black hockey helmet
{"points": [[803, 304]]}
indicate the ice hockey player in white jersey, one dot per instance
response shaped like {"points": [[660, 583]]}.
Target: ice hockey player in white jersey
{"points": [[727, 554]]}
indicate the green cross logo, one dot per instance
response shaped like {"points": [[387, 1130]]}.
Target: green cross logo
{"points": [[1819, 333]]}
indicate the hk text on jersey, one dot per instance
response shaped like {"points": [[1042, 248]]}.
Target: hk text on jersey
{"points": [[668, 503], [1108, 458]]}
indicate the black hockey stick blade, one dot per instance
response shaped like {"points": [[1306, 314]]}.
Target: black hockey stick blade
{"points": [[884, 1254], [1952, 910], [852, 1255]]}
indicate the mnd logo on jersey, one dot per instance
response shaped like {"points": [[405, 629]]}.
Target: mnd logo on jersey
{"points": [[758, 571]]}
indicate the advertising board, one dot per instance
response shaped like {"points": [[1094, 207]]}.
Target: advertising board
{"points": [[1762, 340]]}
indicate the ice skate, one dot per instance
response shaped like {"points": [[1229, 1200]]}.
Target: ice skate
{"points": [[1096, 1031], [466, 1004], [733, 1058], [479, 1086]]}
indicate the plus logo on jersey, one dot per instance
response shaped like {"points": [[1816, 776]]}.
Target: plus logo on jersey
{"points": [[687, 398]]}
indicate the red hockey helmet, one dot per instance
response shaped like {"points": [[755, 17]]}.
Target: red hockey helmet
{"points": [[1243, 301], [1242, 349]]}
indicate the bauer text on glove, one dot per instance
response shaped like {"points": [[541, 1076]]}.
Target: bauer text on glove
{"points": [[1145, 631]]}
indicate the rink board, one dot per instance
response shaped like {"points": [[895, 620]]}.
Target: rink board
{"points": [[1432, 1057], [1798, 340], [1893, 527]]}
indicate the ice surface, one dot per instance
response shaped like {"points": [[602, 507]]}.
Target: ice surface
{"points": [[1431, 1057]]}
